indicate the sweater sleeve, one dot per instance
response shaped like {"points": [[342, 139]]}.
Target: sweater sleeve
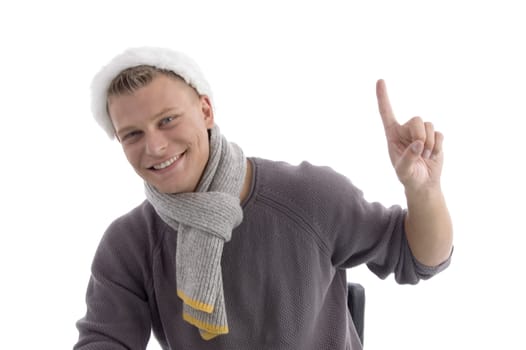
{"points": [[354, 230], [370, 233], [117, 314]]}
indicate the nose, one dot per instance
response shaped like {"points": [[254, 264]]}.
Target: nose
{"points": [[156, 144]]}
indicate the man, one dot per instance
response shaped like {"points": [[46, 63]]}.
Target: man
{"points": [[229, 252]]}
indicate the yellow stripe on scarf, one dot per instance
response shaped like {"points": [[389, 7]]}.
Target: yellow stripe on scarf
{"points": [[198, 305], [207, 331]]}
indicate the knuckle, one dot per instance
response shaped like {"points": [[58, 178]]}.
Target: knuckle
{"points": [[416, 120]]}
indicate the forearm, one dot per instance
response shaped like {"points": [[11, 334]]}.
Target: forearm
{"points": [[428, 226]]}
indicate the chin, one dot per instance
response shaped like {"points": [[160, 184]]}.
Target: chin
{"points": [[169, 189]]}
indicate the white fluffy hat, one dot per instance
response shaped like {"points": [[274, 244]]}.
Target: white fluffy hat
{"points": [[162, 58]]}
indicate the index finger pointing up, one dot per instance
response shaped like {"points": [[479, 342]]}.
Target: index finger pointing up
{"points": [[384, 106]]}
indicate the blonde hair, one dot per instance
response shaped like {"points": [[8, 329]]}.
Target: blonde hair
{"points": [[131, 79]]}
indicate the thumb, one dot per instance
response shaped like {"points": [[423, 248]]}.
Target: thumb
{"points": [[410, 155]]}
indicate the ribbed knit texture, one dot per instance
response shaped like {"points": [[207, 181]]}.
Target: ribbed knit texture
{"points": [[204, 221]]}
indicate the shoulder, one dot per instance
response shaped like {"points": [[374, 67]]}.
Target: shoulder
{"points": [[305, 183], [125, 253], [317, 195], [142, 217], [317, 198], [137, 232]]}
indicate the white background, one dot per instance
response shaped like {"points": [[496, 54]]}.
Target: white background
{"points": [[292, 81]]}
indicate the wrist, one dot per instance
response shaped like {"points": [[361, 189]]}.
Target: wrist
{"points": [[423, 192]]}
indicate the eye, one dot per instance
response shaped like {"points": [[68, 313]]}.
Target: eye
{"points": [[167, 120], [131, 135]]}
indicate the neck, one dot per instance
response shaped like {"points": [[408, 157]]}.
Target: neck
{"points": [[247, 184]]}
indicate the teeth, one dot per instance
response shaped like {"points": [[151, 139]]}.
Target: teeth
{"points": [[166, 163]]}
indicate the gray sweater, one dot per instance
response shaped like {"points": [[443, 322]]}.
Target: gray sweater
{"points": [[283, 271]]}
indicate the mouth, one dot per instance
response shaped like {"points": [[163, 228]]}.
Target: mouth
{"points": [[166, 163]]}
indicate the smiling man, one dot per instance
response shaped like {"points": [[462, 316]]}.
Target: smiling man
{"points": [[229, 252], [169, 148]]}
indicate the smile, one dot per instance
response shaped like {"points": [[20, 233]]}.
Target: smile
{"points": [[166, 163]]}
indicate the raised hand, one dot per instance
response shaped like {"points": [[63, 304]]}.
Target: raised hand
{"points": [[415, 148]]}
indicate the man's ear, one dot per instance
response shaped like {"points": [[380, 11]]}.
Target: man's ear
{"points": [[208, 112]]}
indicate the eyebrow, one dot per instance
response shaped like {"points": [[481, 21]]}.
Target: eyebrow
{"points": [[125, 130]]}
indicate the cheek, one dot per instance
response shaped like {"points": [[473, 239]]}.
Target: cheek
{"points": [[132, 155]]}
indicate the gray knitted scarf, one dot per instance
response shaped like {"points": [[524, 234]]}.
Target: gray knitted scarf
{"points": [[204, 221]]}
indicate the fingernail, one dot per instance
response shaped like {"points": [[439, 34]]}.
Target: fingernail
{"points": [[427, 154]]}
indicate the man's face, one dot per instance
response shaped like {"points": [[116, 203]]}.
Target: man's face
{"points": [[162, 128]]}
